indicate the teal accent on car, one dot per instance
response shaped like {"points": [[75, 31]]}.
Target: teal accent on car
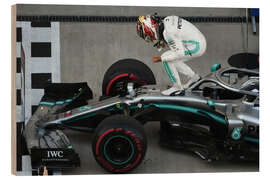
{"points": [[114, 162], [236, 134], [251, 139], [205, 114], [211, 103], [56, 103], [218, 118], [146, 106], [215, 67], [59, 102], [111, 109], [133, 107], [83, 117], [83, 108], [47, 103], [168, 71], [68, 100], [192, 51]]}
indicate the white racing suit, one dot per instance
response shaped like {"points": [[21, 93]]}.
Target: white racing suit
{"points": [[185, 42]]}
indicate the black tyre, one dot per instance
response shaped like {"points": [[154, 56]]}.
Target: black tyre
{"points": [[244, 60], [124, 71], [119, 144]]}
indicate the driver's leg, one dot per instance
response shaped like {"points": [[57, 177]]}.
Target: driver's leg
{"points": [[186, 70], [171, 70]]}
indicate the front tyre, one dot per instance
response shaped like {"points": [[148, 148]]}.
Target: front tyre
{"points": [[119, 144]]}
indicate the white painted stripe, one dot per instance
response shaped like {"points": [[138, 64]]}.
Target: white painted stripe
{"points": [[41, 65], [26, 42], [18, 81], [25, 23], [40, 59], [18, 49], [18, 23], [26, 163], [36, 96], [24, 173], [28, 105], [19, 117], [55, 45], [40, 34]]}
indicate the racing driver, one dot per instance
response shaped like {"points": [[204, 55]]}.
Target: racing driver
{"points": [[184, 40]]}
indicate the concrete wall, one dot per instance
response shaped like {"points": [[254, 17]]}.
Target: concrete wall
{"points": [[88, 49], [28, 9]]}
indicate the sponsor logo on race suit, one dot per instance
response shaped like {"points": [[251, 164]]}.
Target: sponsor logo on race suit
{"points": [[172, 44]]}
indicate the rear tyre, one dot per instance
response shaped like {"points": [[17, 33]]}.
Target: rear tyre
{"points": [[119, 144], [123, 71]]}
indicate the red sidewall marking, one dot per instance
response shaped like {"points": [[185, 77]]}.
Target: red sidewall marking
{"points": [[113, 80], [132, 76], [130, 167], [100, 138], [106, 164]]}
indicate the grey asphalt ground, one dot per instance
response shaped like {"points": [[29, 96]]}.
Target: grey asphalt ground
{"points": [[158, 159]]}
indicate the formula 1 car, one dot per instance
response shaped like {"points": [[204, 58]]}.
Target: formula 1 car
{"points": [[217, 118]]}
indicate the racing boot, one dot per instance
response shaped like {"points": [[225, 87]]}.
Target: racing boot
{"points": [[172, 90]]}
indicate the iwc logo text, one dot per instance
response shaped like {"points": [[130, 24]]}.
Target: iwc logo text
{"points": [[55, 154]]}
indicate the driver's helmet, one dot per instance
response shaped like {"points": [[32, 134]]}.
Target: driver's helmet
{"points": [[147, 28]]}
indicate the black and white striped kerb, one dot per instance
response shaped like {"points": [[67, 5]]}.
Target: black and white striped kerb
{"points": [[18, 34], [21, 145], [18, 98], [19, 124], [18, 65], [37, 65], [19, 127]]}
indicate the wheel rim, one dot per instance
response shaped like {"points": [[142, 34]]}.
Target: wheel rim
{"points": [[118, 150]]}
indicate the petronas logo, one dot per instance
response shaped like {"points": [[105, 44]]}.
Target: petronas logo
{"points": [[236, 134]]}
